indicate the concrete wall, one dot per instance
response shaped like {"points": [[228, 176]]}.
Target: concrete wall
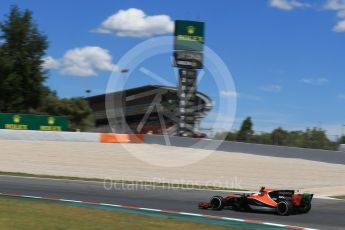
{"points": [[327, 156], [31, 135], [337, 157]]}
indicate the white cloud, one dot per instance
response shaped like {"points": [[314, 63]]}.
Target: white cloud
{"points": [[335, 5], [340, 26], [84, 62], [314, 81], [50, 63], [233, 94], [229, 94], [288, 4], [339, 7], [271, 88], [135, 23]]}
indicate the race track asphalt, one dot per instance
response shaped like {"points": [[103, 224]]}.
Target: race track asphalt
{"points": [[325, 214]]}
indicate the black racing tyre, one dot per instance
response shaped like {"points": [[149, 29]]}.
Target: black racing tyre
{"points": [[217, 203], [305, 208], [284, 208]]}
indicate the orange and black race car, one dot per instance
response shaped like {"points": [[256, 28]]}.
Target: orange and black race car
{"points": [[282, 202]]}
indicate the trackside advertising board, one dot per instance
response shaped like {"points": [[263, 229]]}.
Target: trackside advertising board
{"points": [[189, 35], [33, 122]]}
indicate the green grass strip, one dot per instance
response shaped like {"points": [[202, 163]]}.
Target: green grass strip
{"points": [[232, 224]]}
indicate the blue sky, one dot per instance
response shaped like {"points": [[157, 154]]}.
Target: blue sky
{"points": [[286, 56]]}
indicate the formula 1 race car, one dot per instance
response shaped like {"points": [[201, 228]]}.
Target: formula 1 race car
{"points": [[282, 202]]}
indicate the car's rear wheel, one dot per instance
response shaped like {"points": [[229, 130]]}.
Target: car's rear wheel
{"points": [[217, 203], [284, 208]]}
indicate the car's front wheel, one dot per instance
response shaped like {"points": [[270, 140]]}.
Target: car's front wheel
{"points": [[217, 203]]}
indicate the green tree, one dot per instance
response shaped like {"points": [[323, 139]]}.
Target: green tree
{"points": [[310, 138], [21, 72], [342, 140], [230, 136], [280, 136], [298, 139], [246, 130], [77, 110], [261, 138], [318, 139], [22, 75], [220, 135]]}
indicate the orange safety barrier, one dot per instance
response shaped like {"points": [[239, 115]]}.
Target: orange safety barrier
{"points": [[113, 138], [136, 138], [121, 138]]}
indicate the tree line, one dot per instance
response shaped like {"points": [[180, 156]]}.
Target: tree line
{"points": [[315, 138], [22, 76]]}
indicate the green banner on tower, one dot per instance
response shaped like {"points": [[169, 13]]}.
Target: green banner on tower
{"points": [[189, 35]]}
